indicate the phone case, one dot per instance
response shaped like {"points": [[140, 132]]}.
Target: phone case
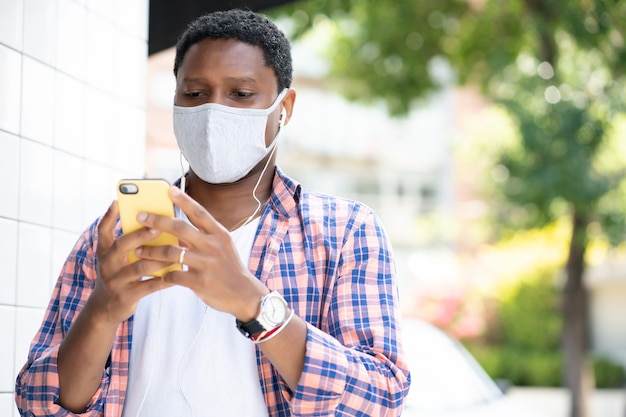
{"points": [[150, 196]]}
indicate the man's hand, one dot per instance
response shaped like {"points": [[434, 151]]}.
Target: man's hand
{"points": [[217, 275], [85, 348], [215, 271], [119, 286]]}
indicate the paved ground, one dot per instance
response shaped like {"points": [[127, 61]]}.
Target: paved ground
{"points": [[554, 402]]}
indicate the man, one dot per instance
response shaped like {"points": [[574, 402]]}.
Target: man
{"points": [[287, 304]]}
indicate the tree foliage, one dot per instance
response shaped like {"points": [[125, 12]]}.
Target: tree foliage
{"points": [[557, 67], [382, 50], [378, 51]]}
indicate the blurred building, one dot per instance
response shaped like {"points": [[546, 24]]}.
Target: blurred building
{"points": [[607, 287]]}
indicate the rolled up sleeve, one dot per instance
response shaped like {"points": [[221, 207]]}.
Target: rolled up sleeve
{"points": [[354, 364], [37, 384]]}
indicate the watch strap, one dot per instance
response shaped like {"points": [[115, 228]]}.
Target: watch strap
{"points": [[250, 329], [265, 336], [254, 328]]}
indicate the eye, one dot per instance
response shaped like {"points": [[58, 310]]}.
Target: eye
{"points": [[192, 93], [241, 95]]}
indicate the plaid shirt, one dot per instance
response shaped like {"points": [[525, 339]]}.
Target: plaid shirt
{"points": [[332, 262]]}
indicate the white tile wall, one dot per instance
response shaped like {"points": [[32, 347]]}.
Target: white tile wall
{"points": [[71, 38], [37, 101], [7, 348], [104, 8], [69, 114], [9, 172], [11, 22], [72, 87], [7, 405], [68, 186], [99, 191], [36, 183], [126, 13], [129, 124], [34, 262], [10, 85], [40, 30], [99, 124], [129, 82], [100, 54], [8, 260]]}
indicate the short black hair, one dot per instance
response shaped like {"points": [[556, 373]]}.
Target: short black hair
{"points": [[245, 26]]}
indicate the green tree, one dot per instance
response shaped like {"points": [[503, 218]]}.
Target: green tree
{"points": [[556, 66]]}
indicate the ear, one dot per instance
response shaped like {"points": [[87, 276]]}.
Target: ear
{"points": [[287, 106]]}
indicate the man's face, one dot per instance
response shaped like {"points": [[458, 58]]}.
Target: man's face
{"points": [[231, 73]]}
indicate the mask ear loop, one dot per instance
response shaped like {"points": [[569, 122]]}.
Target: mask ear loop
{"points": [[258, 202], [281, 123], [183, 176]]}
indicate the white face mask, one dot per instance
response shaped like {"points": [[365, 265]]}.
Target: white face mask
{"points": [[222, 144]]}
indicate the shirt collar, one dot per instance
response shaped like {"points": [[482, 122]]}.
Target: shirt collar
{"points": [[285, 194]]}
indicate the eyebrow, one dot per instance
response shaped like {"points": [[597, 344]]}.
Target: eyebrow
{"points": [[231, 79], [242, 79]]}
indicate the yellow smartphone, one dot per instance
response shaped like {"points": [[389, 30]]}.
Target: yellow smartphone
{"points": [[151, 196]]}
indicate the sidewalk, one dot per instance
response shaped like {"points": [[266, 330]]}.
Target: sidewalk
{"points": [[554, 402]]}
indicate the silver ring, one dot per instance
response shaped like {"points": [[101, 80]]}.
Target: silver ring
{"points": [[181, 257]]}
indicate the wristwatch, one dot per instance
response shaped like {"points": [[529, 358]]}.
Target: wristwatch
{"points": [[272, 314]]}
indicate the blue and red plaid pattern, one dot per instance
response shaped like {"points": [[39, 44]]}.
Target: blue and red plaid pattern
{"points": [[331, 260]]}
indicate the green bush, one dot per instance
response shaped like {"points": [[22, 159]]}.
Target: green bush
{"points": [[520, 367], [544, 369], [523, 344], [529, 315], [540, 368], [608, 374]]}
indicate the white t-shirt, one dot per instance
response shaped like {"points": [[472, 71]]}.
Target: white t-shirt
{"points": [[190, 360]]}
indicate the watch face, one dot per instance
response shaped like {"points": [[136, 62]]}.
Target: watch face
{"points": [[275, 310]]}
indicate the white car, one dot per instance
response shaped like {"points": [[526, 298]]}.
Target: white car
{"points": [[446, 380]]}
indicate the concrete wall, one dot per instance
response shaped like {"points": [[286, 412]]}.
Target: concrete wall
{"points": [[72, 123]]}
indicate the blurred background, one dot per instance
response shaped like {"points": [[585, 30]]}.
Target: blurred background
{"points": [[489, 136]]}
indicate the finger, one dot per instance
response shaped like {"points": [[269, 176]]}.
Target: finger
{"points": [[182, 278], [185, 232], [197, 214], [106, 234], [177, 227], [166, 253], [149, 286], [131, 241], [142, 268]]}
